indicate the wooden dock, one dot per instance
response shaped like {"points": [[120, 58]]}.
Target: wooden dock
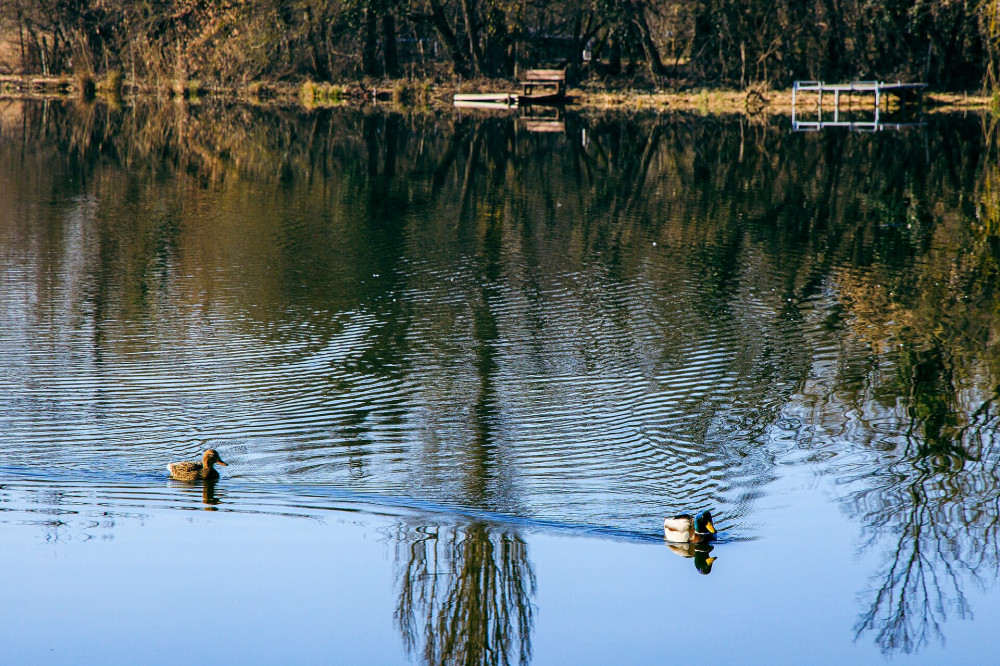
{"points": [[550, 82], [879, 90], [491, 99]]}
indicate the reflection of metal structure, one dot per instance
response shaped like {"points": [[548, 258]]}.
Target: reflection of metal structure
{"points": [[905, 92]]}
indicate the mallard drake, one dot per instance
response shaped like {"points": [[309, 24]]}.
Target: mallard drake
{"points": [[197, 471], [686, 528]]}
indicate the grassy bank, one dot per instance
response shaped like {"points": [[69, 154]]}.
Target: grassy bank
{"points": [[425, 94], [755, 101]]}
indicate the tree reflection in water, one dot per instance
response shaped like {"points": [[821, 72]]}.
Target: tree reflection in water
{"points": [[465, 594], [465, 591], [925, 491], [937, 505]]}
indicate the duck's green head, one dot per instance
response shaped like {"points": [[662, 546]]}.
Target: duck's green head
{"points": [[703, 523]]}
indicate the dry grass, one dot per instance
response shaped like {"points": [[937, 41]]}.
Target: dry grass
{"points": [[312, 94], [412, 93], [112, 83], [424, 93], [752, 100]]}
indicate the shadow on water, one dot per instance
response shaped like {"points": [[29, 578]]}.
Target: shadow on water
{"points": [[643, 315]]}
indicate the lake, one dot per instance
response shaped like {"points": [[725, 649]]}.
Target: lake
{"points": [[461, 369]]}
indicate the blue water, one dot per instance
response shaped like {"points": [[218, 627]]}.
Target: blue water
{"points": [[460, 373]]}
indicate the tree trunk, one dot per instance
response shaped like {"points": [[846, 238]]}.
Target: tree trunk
{"points": [[615, 58], [440, 23], [318, 53], [369, 53], [704, 43], [472, 32], [389, 49], [835, 50], [638, 17], [574, 53], [498, 54]]}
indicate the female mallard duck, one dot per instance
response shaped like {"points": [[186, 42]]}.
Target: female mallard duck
{"points": [[197, 471], [686, 528]]}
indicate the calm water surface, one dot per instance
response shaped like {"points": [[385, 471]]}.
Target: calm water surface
{"points": [[461, 371]]}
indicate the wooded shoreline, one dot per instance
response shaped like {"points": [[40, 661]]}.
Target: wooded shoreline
{"points": [[651, 45]]}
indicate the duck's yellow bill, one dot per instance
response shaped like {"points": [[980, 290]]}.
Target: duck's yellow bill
{"points": [[710, 527]]}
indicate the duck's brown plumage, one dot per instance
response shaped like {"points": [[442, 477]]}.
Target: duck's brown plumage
{"points": [[197, 471]]}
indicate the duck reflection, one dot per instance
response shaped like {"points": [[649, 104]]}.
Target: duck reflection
{"points": [[209, 496], [700, 552], [465, 594]]}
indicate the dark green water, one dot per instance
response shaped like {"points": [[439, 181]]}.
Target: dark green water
{"points": [[461, 371]]}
